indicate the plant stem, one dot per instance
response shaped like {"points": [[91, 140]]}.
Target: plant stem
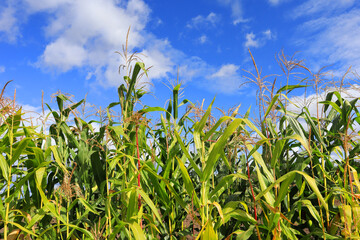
{"points": [[138, 157], [252, 190], [11, 139]]}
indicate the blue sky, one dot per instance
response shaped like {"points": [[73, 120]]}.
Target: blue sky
{"points": [[70, 45]]}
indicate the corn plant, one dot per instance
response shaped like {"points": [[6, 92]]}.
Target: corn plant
{"points": [[292, 174]]}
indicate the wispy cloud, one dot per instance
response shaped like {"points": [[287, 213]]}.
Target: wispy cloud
{"points": [[321, 6], [236, 10], [332, 39], [2, 69], [276, 2], [8, 24], [268, 34], [226, 79], [253, 41], [201, 21], [203, 39]]}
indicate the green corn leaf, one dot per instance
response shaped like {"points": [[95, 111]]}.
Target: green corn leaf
{"points": [[22, 228], [198, 127], [169, 186], [4, 168], [254, 128], [39, 174], [176, 99], [314, 129], [132, 208], [304, 142], [223, 156], [237, 214], [152, 109], [217, 124], [333, 105], [158, 188], [72, 107], [279, 145], [60, 101], [259, 160], [296, 127], [289, 88], [244, 235], [290, 233], [312, 210], [19, 150], [218, 146], [185, 101], [48, 206], [19, 184], [284, 189], [269, 196], [188, 183], [209, 232], [37, 218], [119, 130], [88, 206], [98, 170], [137, 231], [113, 104], [2, 210], [224, 184], [69, 134], [219, 209], [185, 151], [311, 182], [57, 158], [150, 203], [271, 105], [168, 112]]}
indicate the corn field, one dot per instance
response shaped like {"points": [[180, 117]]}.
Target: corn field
{"points": [[186, 175]]}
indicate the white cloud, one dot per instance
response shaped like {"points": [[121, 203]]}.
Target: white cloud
{"points": [[253, 41], [332, 40], [45, 5], [236, 10], [200, 21], [8, 24], [64, 55], [85, 34], [226, 70], [225, 80], [192, 68], [2, 69], [276, 2], [268, 34], [321, 6], [203, 39]]}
